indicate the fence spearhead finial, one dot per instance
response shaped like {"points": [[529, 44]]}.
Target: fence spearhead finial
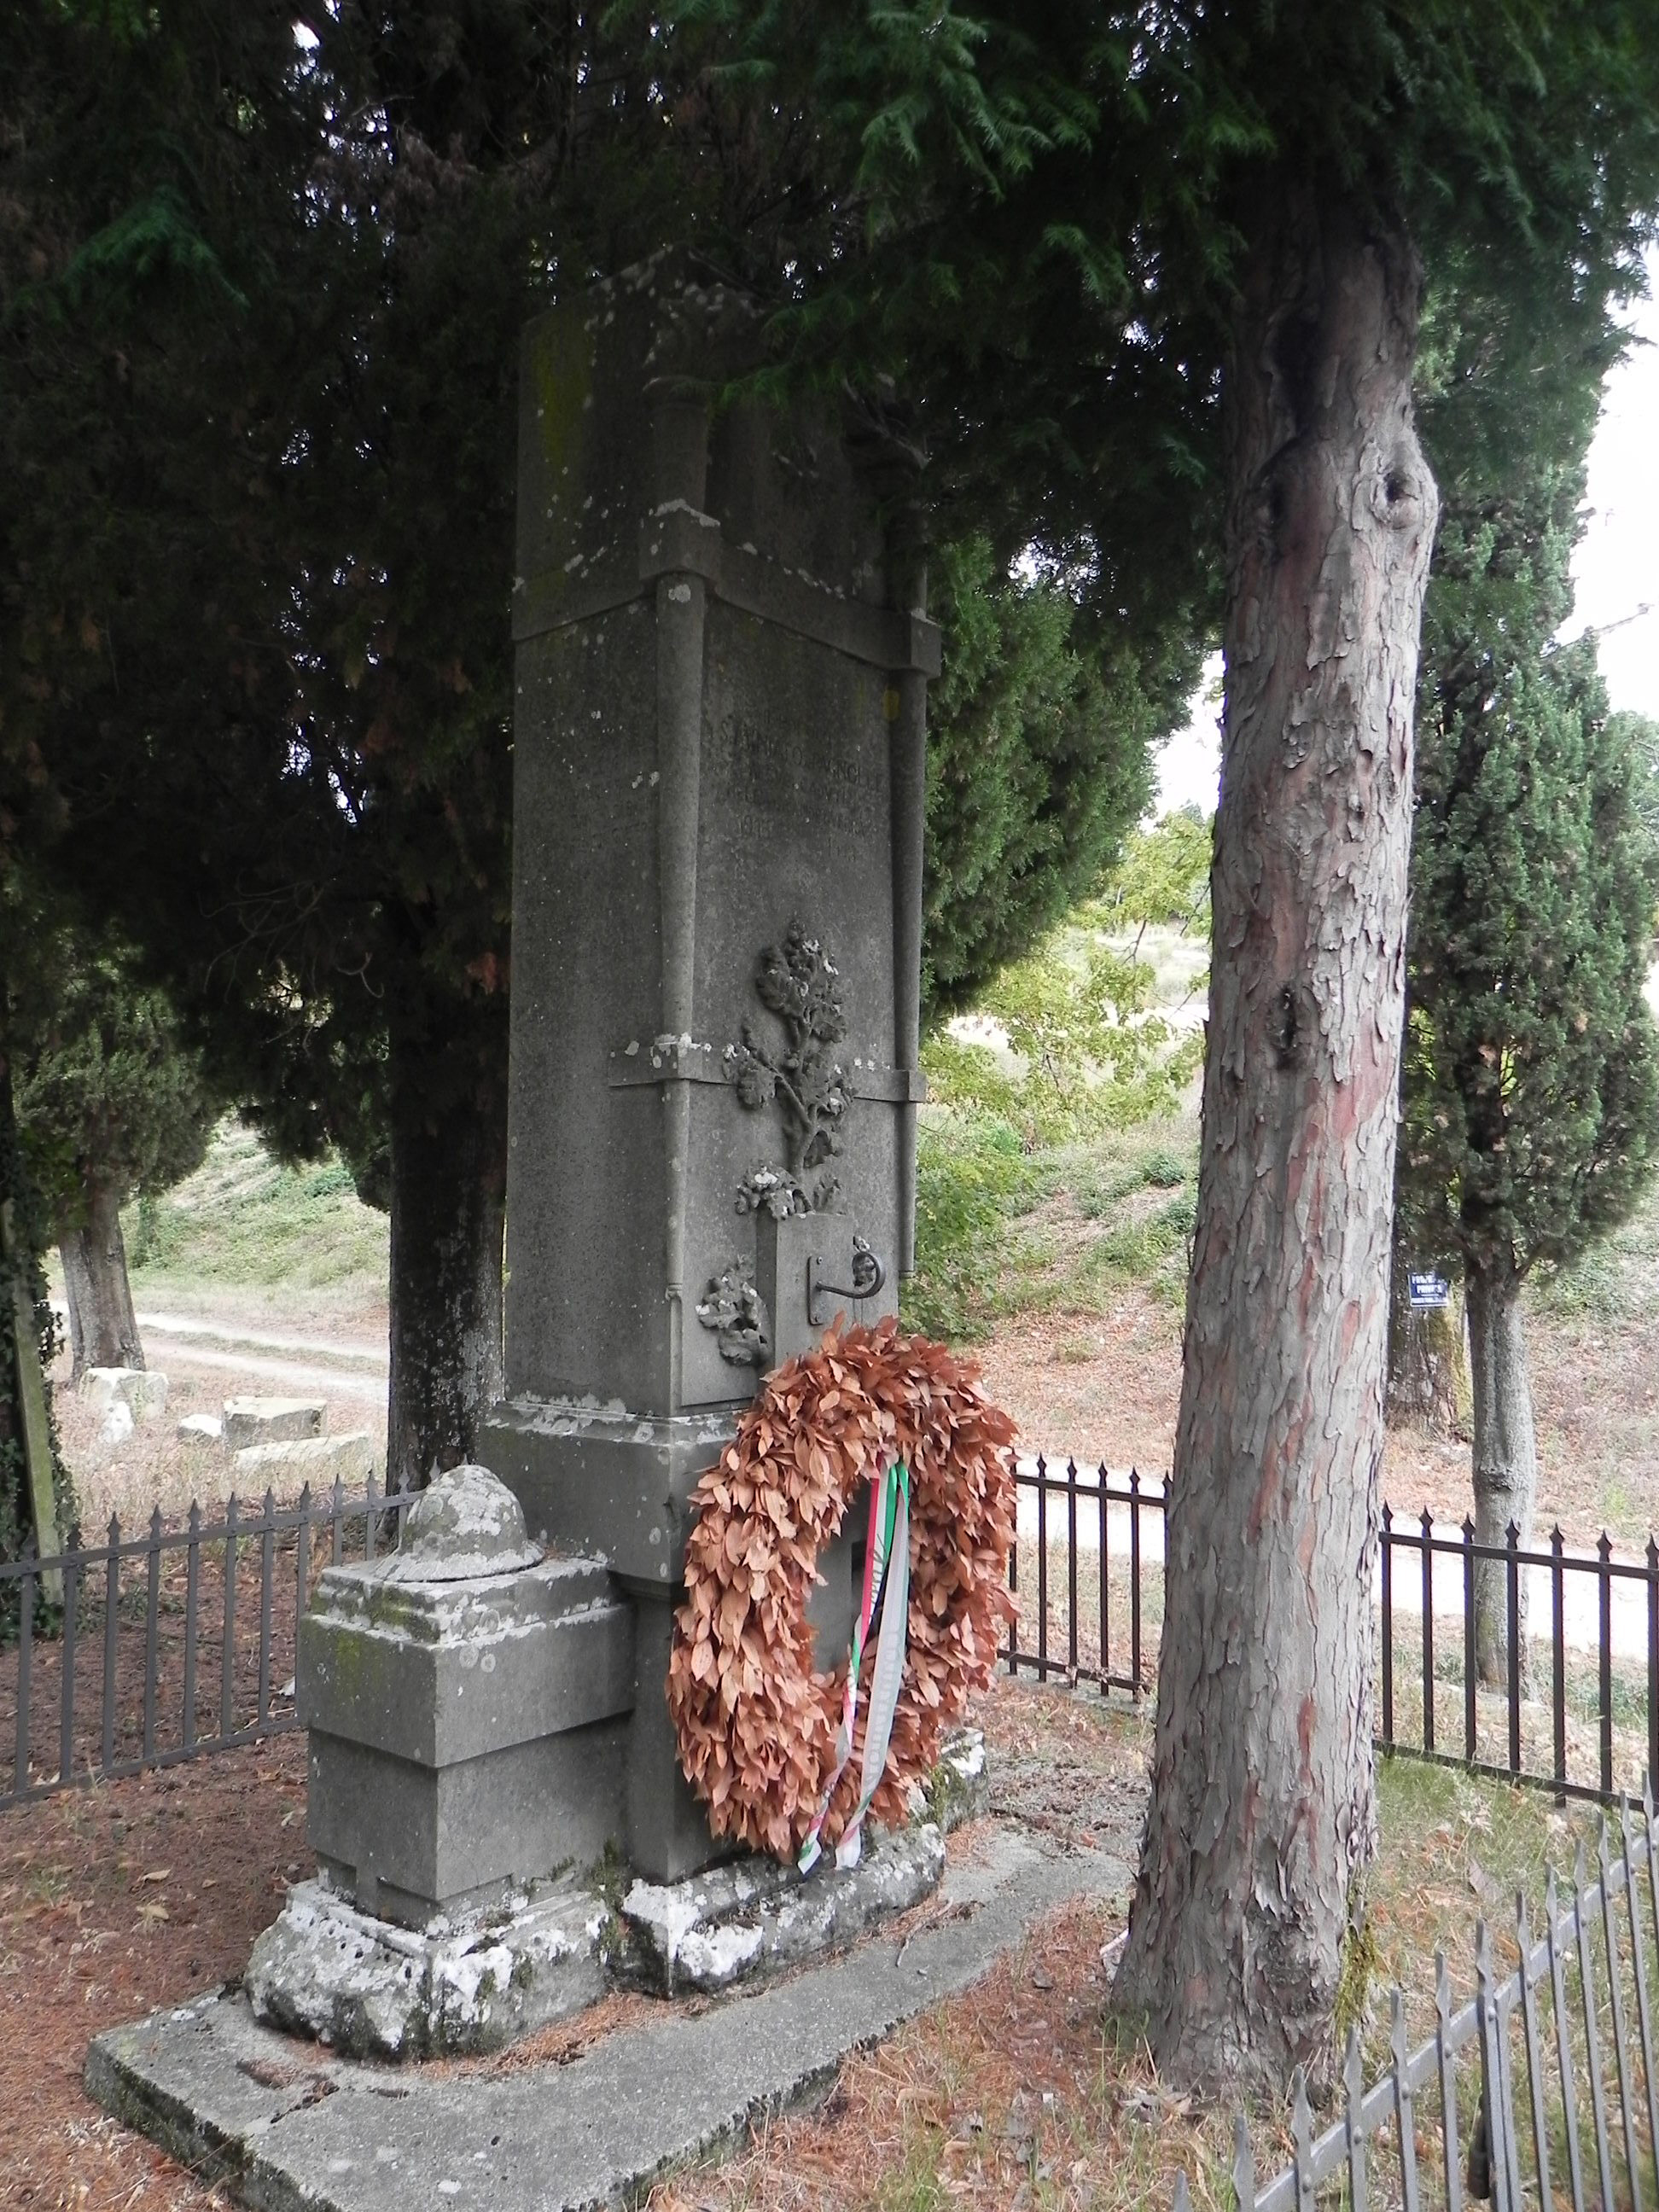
{"points": [[1396, 2023]]}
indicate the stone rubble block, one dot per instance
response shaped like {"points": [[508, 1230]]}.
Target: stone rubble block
{"points": [[755, 1917], [370, 1990], [116, 1425], [316, 1460], [201, 1429], [272, 1420], [960, 1790], [143, 1391]]}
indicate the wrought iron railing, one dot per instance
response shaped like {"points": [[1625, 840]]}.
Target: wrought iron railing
{"points": [[147, 1649], [1576, 1705], [1558, 2101], [161, 1647]]}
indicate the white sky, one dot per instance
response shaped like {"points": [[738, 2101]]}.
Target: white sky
{"points": [[1615, 568]]}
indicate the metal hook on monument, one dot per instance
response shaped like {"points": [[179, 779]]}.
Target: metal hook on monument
{"points": [[869, 1276]]}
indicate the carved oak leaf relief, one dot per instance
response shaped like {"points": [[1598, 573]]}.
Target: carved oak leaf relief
{"points": [[797, 983]]}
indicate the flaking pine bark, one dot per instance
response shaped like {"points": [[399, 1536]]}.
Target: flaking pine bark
{"points": [[1261, 1808]]}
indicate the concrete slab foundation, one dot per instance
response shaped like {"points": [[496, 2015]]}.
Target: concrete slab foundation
{"points": [[290, 2128]]}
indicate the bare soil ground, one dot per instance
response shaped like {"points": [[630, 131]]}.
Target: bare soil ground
{"points": [[114, 1900], [1107, 1386], [1024, 2091]]}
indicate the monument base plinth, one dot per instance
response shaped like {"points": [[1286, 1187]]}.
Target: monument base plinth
{"points": [[370, 1989], [606, 1481], [752, 1916]]}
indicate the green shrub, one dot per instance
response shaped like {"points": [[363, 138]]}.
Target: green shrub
{"points": [[974, 1178], [1165, 1171]]}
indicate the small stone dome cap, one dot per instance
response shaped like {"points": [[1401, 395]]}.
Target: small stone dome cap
{"points": [[467, 1523]]}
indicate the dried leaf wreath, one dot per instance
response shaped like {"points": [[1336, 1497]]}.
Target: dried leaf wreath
{"points": [[755, 1720]]}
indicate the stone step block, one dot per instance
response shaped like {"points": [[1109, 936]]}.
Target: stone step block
{"points": [[319, 1460], [466, 1736], [755, 1917], [201, 1429], [272, 1420]]}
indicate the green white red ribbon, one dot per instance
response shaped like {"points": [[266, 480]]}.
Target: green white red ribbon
{"points": [[886, 1606]]}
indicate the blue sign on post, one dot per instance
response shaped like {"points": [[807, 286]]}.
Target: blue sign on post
{"points": [[1428, 1293]]}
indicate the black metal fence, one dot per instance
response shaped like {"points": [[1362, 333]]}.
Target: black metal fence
{"points": [[1575, 1708], [167, 1646], [163, 1646], [1541, 2090]]}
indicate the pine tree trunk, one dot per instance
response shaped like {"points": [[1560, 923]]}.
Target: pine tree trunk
{"points": [[103, 1331], [1506, 1461], [448, 1213], [1428, 1366], [1261, 1809]]}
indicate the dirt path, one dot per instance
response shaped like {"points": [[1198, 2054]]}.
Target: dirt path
{"points": [[236, 1372], [339, 1349]]}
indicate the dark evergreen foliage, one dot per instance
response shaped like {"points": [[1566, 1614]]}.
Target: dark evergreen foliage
{"points": [[107, 1090], [1528, 1086], [1038, 765], [1531, 1087]]}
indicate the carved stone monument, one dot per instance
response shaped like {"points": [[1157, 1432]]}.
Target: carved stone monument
{"points": [[718, 783], [719, 779]]}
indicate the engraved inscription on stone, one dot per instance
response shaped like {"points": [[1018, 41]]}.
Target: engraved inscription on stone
{"points": [[786, 784]]}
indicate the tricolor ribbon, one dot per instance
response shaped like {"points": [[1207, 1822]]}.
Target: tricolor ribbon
{"points": [[886, 1608]]}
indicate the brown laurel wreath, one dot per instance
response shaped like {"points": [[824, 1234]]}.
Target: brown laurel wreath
{"points": [[756, 1721]]}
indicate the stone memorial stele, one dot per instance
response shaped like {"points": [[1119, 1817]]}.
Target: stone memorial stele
{"points": [[722, 661]]}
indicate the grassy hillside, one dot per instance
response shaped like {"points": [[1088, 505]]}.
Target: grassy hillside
{"points": [[295, 1243]]}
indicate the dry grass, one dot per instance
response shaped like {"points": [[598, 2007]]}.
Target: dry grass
{"points": [[273, 1244], [152, 1469]]}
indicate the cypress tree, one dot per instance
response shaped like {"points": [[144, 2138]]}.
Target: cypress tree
{"points": [[111, 1104], [1531, 1090], [1039, 734]]}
